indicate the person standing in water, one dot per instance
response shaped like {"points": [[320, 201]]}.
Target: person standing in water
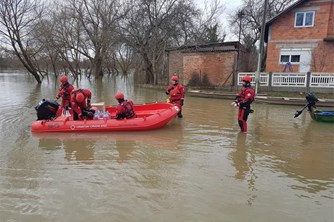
{"points": [[243, 100], [176, 94]]}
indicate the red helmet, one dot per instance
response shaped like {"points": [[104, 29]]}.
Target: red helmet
{"points": [[175, 78], [119, 95], [246, 78], [80, 97], [63, 79]]}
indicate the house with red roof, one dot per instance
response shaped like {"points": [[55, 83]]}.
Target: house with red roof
{"points": [[301, 38]]}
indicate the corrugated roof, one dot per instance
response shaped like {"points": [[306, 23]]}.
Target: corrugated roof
{"points": [[220, 46]]}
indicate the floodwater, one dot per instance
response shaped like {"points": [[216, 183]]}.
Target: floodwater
{"points": [[199, 168]]}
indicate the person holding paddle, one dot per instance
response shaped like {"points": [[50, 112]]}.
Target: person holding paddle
{"points": [[243, 100]]}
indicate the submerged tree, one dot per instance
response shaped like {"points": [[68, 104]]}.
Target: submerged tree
{"points": [[103, 35], [18, 19], [151, 27], [98, 21]]}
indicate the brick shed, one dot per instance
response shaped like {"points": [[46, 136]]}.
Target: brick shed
{"points": [[215, 63]]}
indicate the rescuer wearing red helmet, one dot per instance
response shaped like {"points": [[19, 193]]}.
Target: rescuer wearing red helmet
{"points": [[243, 100], [80, 102], [124, 109], [64, 92], [176, 94]]}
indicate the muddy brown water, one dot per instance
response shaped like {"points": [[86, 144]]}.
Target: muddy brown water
{"points": [[199, 168]]}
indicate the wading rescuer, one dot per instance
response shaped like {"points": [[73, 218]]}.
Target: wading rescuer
{"points": [[64, 92], [243, 100], [176, 94], [80, 103], [124, 109]]}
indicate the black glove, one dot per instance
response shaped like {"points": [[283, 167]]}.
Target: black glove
{"points": [[169, 89], [90, 115], [182, 102]]}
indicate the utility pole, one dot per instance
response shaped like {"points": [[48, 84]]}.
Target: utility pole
{"points": [[240, 15], [257, 74]]}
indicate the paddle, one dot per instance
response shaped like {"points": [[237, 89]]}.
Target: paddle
{"points": [[300, 111]]}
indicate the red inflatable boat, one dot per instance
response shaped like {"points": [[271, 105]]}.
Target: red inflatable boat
{"points": [[149, 116]]}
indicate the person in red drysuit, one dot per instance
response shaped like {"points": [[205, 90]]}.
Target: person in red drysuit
{"points": [[80, 103], [64, 92], [243, 100], [124, 109], [176, 94]]}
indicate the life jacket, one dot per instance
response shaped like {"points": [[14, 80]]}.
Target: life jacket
{"points": [[246, 94], [64, 91], [175, 94], [129, 111]]}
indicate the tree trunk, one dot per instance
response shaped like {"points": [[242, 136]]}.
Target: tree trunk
{"points": [[149, 76], [98, 73], [26, 64]]}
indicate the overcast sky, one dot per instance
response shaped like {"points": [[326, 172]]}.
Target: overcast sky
{"points": [[230, 6]]}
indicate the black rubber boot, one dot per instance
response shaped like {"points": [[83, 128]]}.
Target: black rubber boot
{"points": [[179, 115]]}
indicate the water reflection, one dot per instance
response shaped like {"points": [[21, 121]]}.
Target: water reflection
{"points": [[79, 150], [316, 153], [50, 144], [198, 164], [20, 177], [239, 157], [124, 148], [244, 160], [81, 146], [300, 148]]}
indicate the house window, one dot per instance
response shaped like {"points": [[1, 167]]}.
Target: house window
{"points": [[304, 19], [285, 58], [293, 59]]}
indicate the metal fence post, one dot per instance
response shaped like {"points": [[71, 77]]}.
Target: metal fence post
{"points": [[270, 81], [308, 81]]}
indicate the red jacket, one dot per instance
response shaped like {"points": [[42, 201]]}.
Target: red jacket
{"points": [[77, 107], [175, 92], [245, 96], [64, 92], [125, 110]]}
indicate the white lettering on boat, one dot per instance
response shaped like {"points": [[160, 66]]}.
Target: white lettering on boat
{"points": [[91, 126]]}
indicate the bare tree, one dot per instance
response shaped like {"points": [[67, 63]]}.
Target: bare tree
{"points": [[123, 58], [65, 41], [246, 21], [152, 26], [320, 60], [249, 21], [147, 30], [207, 24], [18, 19], [98, 21]]}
